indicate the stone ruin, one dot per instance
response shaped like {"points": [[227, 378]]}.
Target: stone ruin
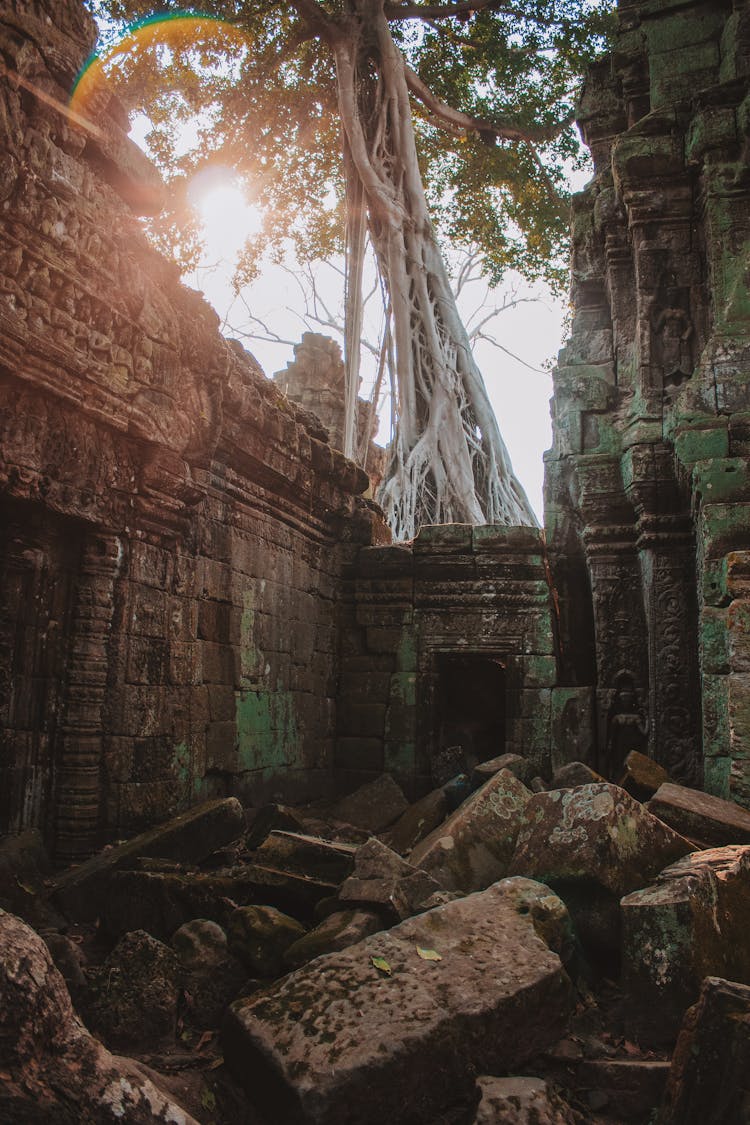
{"points": [[455, 830]]}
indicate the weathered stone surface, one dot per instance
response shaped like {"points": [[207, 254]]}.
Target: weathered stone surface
{"points": [[260, 936], [325, 860], [593, 844], [381, 878], [54, 1072], [691, 923], [418, 821], [573, 774], [131, 1002], [594, 833], [633, 1087], [701, 816], [188, 837], [338, 931], [273, 816], [373, 806], [497, 996], [211, 975], [473, 848], [709, 1082], [643, 776], [160, 902], [519, 766], [521, 1101]]}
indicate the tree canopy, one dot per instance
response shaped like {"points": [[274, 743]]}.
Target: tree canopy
{"points": [[418, 121]]}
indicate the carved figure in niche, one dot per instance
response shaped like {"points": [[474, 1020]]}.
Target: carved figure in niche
{"points": [[673, 331], [627, 725]]}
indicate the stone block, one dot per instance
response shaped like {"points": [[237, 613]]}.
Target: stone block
{"points": [[701, 816], [522, 1101], [373, 806], [474, 846], [496, 997], [708, 1080], [191, 836], [691, 923]]}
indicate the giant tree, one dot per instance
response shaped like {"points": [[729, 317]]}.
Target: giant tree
{"points": [[400, 120]]}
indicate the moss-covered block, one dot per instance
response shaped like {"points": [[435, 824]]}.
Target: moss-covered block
{"points": [[701, 442], [715, 716], [723, 525], [716, 773], [403, 688], [539, 670], [400, 722], [714, 641], [722, 479]]}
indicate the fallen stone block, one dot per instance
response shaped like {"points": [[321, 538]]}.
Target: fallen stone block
{"points": [[373, 806], [384, 1030], [691, 923], [189, 837], [701, 816], [521, 1101], [131, 1001], [519, 766], [327, 860], [418, 821], [53, 1070], [632, 1088], [161, 901], [337, 931], [643, 776], [474, 846], [575, 773], [382, 879], [593, 844], [709, 1081], [270, 817], [260, 936], [211, 976]]}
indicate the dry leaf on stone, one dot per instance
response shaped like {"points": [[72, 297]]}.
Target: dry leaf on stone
{"points": [[428, 954], [382, 965]]}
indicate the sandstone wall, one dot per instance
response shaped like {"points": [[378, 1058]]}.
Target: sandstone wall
{"points": [[174, 528], [648, 494], [424, 625]]}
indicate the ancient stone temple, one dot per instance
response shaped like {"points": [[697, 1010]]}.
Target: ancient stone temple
{"points": [[197, 598]]}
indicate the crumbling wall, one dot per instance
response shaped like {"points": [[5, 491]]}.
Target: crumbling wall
{"points": [[412, 613], [173, 527], [647, 489]]}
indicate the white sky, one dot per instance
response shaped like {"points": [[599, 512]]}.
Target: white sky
{"points": [[532, 331]]}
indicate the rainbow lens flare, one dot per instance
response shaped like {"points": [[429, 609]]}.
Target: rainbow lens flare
{"points": [[180, 31]]}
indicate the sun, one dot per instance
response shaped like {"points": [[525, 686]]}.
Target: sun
{"points": [[226, 216]]}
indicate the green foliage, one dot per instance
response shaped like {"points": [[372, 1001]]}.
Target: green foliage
{"points": [[266, 106]]}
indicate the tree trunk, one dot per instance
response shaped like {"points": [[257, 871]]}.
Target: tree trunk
{"points": [[448, 462]]}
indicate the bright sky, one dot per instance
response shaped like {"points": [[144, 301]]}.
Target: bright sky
{"points": [[518, 387]]}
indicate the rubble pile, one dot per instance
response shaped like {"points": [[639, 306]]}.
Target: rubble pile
{"points": [[534, 957]]}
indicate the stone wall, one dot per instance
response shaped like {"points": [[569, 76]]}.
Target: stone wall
{"points": [[647, 487], [174, 528], [446, 642]]}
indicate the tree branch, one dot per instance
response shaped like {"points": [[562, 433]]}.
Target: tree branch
{"points": [[451, 119], [408, 11], [311, 13]]}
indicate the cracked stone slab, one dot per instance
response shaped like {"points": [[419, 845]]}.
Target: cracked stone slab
{"points": [[343, 1041]]}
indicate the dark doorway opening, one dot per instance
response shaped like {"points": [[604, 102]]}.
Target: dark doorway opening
{"points": [[470, 713]]}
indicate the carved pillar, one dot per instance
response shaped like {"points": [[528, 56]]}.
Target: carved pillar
{"points": [[78, 781], [666, 552], [621, 651]]}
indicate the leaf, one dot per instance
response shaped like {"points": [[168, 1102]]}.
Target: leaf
{"points": [[428, 954], [217, 1062], [25, 887], [208, 1099], [382, 965], [206, 1037]]}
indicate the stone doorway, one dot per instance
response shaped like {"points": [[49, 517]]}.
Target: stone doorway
{"points": [[470, 712]]}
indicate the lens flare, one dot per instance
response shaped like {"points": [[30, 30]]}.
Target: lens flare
{"points": [[180, 31]]}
